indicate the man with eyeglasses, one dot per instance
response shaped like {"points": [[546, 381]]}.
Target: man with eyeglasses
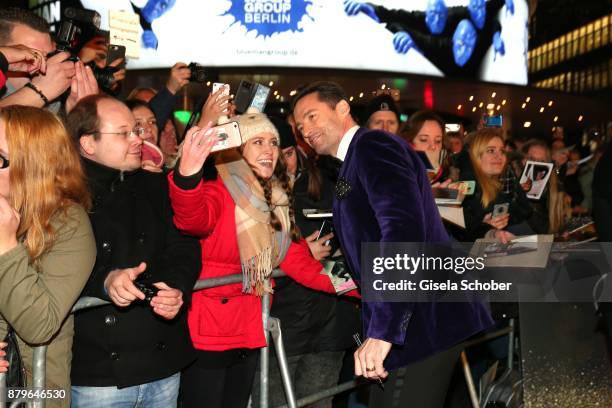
{"points": [[131, 351]]}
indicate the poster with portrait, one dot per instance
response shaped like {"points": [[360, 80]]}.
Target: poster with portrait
{"points": [[535, 176]]}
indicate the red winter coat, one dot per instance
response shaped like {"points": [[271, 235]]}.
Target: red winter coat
{"points": [[224, 318]]}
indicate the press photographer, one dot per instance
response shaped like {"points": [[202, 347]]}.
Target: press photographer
{"points": [[41, 89]]}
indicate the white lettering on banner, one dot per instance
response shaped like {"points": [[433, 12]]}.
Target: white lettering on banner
{"points": [[259, 18], [267, 11]]}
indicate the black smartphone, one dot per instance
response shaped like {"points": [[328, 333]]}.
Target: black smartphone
{"points": [[114, 53]]}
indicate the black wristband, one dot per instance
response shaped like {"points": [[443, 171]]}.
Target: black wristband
{"points": [[187, 182], [38, 91]]}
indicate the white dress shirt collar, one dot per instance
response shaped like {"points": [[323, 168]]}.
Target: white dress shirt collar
{"points": [[345, 142]]}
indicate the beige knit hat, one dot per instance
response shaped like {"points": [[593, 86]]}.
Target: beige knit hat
{"points": [[252, 123]]}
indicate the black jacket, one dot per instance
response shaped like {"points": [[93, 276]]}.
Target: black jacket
{"points": [[520, 210], [132, 222], [602, 196]]}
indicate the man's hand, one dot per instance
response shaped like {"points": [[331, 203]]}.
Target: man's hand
{"points": [[118, 75], [3, 363], [499, 222], [369, 359], [216, 105], [83, 84], [195, 149], [24, 59], [167, 302], [58, 76], [119, 285], [179, 77], [318, 249], [9, 223]]}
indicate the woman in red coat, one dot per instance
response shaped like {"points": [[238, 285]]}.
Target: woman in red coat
{"points": [[246, 225]]}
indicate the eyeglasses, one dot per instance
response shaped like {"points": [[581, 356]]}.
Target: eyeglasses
{"points": [[128, 133], [4, 162]]}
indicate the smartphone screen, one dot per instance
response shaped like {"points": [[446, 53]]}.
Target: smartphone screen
{"points": [[260, 97]]}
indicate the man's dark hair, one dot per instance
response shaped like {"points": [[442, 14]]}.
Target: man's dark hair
{"points": [[416, 122], [11, 16], [329, 92], [83, 119]]}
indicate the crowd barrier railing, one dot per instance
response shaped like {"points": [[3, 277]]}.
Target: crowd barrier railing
{"points": [[272, 326]]}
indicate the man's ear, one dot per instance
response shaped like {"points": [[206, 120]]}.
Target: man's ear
{"points": [[343, 108], [88, 145]]}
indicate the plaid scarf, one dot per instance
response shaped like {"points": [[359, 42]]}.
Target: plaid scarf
{"points": [[261, 247]]}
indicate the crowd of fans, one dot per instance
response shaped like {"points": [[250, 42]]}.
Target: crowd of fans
{"points": [[99, 197]]}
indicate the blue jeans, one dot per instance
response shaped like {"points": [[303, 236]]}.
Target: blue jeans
{"points": [[156, 394]]}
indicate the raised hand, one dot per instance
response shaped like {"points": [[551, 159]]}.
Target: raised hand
{"points": [[195, 149]]}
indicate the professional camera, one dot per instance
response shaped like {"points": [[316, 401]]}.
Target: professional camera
{"points": [[74, 24], [77, 26], [197, 73]]}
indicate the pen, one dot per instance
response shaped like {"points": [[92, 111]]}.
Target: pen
{"points": [[357, 339]]}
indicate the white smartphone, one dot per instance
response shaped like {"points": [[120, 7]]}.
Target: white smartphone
{"points": [[228, 136]]}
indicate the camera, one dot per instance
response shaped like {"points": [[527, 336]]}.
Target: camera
{"points": [[148, 290], [197, 73], [76, 26]]}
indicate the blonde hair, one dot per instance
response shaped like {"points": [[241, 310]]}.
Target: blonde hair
{"points": [[490, 186], [45, 174]]}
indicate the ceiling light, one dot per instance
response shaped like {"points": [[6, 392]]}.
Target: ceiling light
{"points": [[504, 102], [527, 124], [471, 98]]}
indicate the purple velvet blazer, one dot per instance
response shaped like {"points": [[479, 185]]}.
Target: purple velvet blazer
{"points": [[383, 195]]}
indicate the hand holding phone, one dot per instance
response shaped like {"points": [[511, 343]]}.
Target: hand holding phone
{"points": [[500, 209]]}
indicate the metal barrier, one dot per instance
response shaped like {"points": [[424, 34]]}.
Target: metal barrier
{"points": [[271, 326]]}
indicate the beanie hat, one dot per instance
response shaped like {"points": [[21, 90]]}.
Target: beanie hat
{"points": [[381, 103], [287, 139], [252, 123]]}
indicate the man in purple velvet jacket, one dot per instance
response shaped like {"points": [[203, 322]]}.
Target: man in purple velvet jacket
{"points": [[383, 195]]}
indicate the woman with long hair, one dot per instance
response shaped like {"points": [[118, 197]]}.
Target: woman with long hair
{"points": [[47, 249], [245, 222], [488, 159], [425, 131], [551, 212]]}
